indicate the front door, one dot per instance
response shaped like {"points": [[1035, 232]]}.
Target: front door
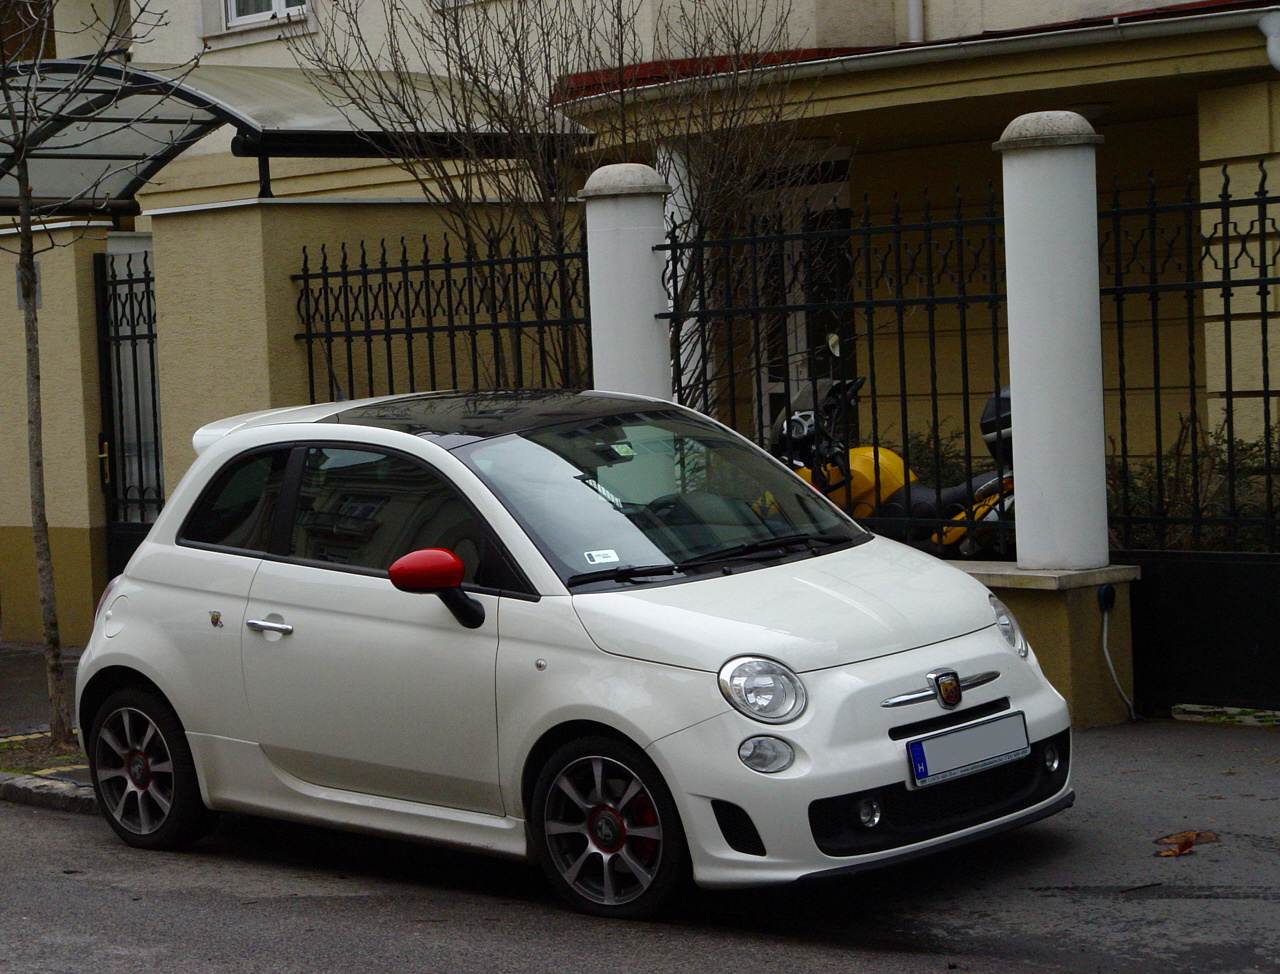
{"points": [[353, 684]]}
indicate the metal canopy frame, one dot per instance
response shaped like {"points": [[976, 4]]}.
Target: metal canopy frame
{"points": [[105, 129], [85, 159]]}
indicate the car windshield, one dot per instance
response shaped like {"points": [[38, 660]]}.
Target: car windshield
{"points": [[653, 496]]}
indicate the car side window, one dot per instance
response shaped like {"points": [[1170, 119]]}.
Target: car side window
{"points": [[237, 508], [364, 509]]}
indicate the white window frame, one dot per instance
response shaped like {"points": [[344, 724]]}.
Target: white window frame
{"points": [[280, 10]]}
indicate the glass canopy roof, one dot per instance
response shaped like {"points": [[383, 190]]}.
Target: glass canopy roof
{"points": [[99, 132]]}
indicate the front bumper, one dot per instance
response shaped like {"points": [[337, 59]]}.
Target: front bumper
{"points": [[915, 815], [746, 828]]}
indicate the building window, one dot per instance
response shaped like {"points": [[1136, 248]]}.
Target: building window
{"points": [[257, 11]]}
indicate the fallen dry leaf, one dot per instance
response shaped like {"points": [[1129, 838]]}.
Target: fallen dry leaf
{"points": [[1183, 849], [1191, 835]]}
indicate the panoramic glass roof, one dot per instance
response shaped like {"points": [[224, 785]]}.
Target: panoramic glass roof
{"points": [[465, 416]]}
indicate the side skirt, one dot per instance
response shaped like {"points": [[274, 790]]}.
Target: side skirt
{"points": [[236, 776]]}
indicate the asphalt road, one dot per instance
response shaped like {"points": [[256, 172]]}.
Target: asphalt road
{"points": [[1082, 892]]}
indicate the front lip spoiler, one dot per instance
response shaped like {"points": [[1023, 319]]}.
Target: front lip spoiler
{"points": [[1034, 815]]}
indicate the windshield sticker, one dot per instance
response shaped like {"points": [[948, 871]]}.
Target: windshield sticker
{"points": [[602, 557]]}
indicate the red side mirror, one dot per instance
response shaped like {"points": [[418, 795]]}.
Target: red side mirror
{"points": [[427, 570]]}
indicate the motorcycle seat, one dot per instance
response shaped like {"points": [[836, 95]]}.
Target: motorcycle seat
{"points": [[916, 500]]}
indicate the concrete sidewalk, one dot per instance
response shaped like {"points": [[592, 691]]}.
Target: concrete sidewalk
{"points": [[24, 710], [24, 701]]}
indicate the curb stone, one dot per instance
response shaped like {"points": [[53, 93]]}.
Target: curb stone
{"points": [[1244, 716], [64, 796]]}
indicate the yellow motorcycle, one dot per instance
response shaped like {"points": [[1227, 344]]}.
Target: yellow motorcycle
{"points": [[874, 482]]}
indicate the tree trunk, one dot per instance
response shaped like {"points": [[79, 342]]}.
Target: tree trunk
{"points": [[59, 705]]}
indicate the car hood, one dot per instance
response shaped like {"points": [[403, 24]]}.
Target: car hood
{"points": [[867, 601]]}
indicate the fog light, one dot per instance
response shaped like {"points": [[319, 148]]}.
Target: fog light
{"points": [[768, 755], [1051, 759], [869, 813]]}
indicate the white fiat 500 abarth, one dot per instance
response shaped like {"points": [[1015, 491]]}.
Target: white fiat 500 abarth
{"points": [[598, 630]]}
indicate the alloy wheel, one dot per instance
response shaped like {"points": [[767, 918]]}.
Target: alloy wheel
{"points": [[603, 831], [134, 771]]}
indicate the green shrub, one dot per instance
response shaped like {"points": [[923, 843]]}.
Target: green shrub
{"points": [[1206, 492]]}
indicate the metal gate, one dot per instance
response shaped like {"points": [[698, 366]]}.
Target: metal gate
{"points": [[129, 460]]}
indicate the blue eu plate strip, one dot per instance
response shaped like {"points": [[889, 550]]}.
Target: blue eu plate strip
{"points": [[918, 760]]}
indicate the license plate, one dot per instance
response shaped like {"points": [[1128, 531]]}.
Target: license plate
{"points": [[956, 753]]}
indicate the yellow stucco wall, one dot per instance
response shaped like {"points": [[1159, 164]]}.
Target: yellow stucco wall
{"points": [[227, 309], [957, 18], [69, 374], [79, 575], [1065, 630], [1061, 617], [810, 23]]}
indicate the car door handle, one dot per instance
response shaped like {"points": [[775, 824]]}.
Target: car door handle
{"points": [[261, 625]]}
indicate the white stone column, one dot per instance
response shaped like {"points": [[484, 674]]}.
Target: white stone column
{"points": [[1055, 341], [630, 344]]}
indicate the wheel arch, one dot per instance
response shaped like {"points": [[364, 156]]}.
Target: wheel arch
{"points": [[106, 682], [554, 738]]}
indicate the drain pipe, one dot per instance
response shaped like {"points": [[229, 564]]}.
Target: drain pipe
{"points": [[1107, 602], [1269, 24], [915, 21]]}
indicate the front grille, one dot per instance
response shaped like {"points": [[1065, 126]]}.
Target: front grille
{"points": [[914, 815], [954, 719]]}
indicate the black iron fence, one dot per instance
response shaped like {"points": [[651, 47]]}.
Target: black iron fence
{"points": [[911, 297], [835, 335], [483, 316], [1189, 284]]}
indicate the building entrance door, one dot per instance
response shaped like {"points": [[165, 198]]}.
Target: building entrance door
{"points": [[129, 460]]}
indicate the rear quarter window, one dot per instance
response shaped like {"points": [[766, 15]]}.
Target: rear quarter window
{"points": [[237, 508]]}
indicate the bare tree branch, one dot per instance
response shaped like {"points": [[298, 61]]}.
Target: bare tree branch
{"points": [[504, 82]]}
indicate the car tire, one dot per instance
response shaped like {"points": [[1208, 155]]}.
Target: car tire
{"points": [[143, 773], [606, 831]]}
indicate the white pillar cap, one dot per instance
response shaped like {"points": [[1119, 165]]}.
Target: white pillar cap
{"points": [[625, 179], [1040, 129]]}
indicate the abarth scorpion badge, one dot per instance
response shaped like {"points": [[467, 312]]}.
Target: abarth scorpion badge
{"points": [[946, 687]]}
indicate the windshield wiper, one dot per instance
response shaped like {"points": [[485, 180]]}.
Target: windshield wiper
{"points": [[773, 547], [768, 547], [623, 573]]}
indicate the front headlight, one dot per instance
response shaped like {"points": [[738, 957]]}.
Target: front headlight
{"points": [[1009, 628], [763, 689]]}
